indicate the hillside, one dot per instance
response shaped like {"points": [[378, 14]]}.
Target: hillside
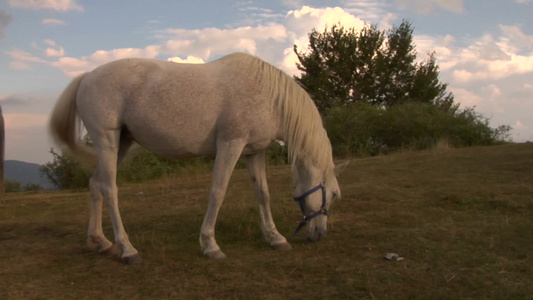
{"points": [[25, 173], [460, 218]]}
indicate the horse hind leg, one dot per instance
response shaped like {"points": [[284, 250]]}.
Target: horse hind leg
{"points": [[96, 239], [256, 166], [108, 149]]}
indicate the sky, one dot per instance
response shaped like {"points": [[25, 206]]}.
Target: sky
{"points": [[484, 48]]}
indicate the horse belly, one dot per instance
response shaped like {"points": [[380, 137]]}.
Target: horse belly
{"points": [[175, 138]]}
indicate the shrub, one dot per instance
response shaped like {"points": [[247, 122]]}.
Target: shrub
{"points": [[141, 164], [11, 186], [65, 172], [362, 129], [32, 187]]}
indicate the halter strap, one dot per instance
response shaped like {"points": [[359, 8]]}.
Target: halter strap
{"points": [[301, 199], [301, 202]]}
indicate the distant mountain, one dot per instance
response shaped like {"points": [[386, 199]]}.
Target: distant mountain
{"points": [[25, 173]]}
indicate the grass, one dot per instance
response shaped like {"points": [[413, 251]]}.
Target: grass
{"points": [[460, 218]]}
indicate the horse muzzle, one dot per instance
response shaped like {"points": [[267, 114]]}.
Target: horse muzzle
{"points": [[317, 228]]}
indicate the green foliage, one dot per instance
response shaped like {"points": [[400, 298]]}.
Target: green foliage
{"points": [[141, 165], [32, 187], [64, 172], [375, 130], [277, 155], [138, 166], [371, 66], [376, 98], [11, 186]]}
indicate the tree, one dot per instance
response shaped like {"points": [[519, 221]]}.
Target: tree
{"points": [[377, 67]]}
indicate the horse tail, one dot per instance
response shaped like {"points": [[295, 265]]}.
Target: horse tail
{"points": [[65, 124]]}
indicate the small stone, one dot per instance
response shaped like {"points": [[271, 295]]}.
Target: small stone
{"points": [[391, 256]]}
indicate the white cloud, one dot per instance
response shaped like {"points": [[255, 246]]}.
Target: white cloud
{"points": [[300, 22], [370, 10], [428, 6], [441, 45], [189, 60], [491, 72], [20, 55], [19, 65], [291, 3], [208, 42], [493, 56], [53, 22], [50, 42], [493, 90], [53, 52], [73, 66], [466, 97], [60, 5], [200, 45], [516, 39], [524, 1], [484, 69]]}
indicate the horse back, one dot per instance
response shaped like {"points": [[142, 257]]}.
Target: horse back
{"points": [[176, 109]]}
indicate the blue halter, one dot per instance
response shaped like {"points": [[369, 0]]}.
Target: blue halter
{"points": [[301, 201]]}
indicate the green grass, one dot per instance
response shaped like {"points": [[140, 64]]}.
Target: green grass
{"points": [[461, 218]]}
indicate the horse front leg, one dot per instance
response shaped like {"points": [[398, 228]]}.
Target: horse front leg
{"points": [[228, 154], [256, 166]]}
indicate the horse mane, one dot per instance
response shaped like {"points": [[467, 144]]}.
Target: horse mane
{"points": [[301, 123]]}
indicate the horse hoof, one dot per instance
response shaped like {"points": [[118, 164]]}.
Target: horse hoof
{"points": [[217, 254], [132, 259], [285, 246]]}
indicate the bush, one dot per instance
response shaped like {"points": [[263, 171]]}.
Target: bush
{"points": [[32, 187], [138, 166], [277, 154], [65, 173], [362, 129], [11, 186], [352, 129], [141, 164]]}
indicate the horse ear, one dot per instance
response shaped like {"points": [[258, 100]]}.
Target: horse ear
{"points": [[340, 167]]}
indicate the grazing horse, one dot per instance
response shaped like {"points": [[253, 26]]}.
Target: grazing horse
{"points": [[235, 105]]}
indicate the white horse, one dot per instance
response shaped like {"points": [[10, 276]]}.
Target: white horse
{"points": [[235, 105]]}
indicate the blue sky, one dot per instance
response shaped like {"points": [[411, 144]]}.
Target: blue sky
{"points": [[484, 47]]}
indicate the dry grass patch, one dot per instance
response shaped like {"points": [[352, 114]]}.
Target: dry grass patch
{"points": [[461, 218]]}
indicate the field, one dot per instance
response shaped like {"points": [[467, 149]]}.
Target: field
{"points": [[461, 219]]}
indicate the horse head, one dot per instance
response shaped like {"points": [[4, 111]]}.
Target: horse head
{"points": [[315, 190]]}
